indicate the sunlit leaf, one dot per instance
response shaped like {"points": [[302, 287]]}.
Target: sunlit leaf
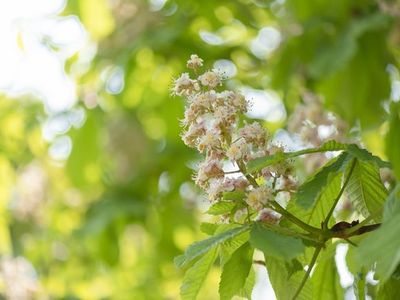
{"points": [[325, 278], [311, 190], [365, 188], [283, 285], [208, 228], [383, 245], [199, 248], [274, 244], [365, 155], [220, 208], [316, 215], [228, 247], [195, 276], [235, 272]]}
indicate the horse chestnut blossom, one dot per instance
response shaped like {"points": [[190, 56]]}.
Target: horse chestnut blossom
{"points": [[314, 126], [215, 125]]}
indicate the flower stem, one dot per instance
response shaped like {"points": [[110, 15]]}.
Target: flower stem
{"points": [[250, 178]]}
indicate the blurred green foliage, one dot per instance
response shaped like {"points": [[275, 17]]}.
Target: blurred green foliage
{"points": [[120, 207]]}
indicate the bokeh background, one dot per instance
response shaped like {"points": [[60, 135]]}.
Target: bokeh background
{"points": [[96, 195]]}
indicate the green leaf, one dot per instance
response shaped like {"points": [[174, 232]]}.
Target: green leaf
{"points": [[247, 290], [284, 285], [262, 162], [208, 228], [274, 244], [318, 212], [220, 208], [325, 279], [365, 155], [393, 139], [195, 276], [199, 248], [392, 204], [365, 189], [382, 246], [389, 290], [311, 190], [230, 246], [293, 266], [235, 195], [235, 272]]}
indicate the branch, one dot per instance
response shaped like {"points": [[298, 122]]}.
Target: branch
{"points": [[356, 227], [278, 208], [346, 230]]}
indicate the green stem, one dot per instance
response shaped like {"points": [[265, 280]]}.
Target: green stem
{"points": [[290, 232], [359, 284], [288, 155], [250, 178], [315, 150], [307, 275], [278, 208], [328, 216]]}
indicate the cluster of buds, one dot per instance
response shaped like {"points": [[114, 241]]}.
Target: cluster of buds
{"points": [[214, 125]]}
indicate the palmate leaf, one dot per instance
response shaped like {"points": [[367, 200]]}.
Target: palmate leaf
{"points": [[320, 209], [220, 208], [383, 245], [262, 162], [325, 279], [247, 289], [311, 190], [208, 228], [235, 272], [365, 189], [195, 276], [197, 249], [365, 155], [274, 244], [285, 285], [228, 247]]}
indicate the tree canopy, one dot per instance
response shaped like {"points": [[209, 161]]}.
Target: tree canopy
{"points": [[98, 198]]}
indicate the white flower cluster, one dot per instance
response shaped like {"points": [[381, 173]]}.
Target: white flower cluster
{"points": [[212, 125], [18, 278], [314, 125]]}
